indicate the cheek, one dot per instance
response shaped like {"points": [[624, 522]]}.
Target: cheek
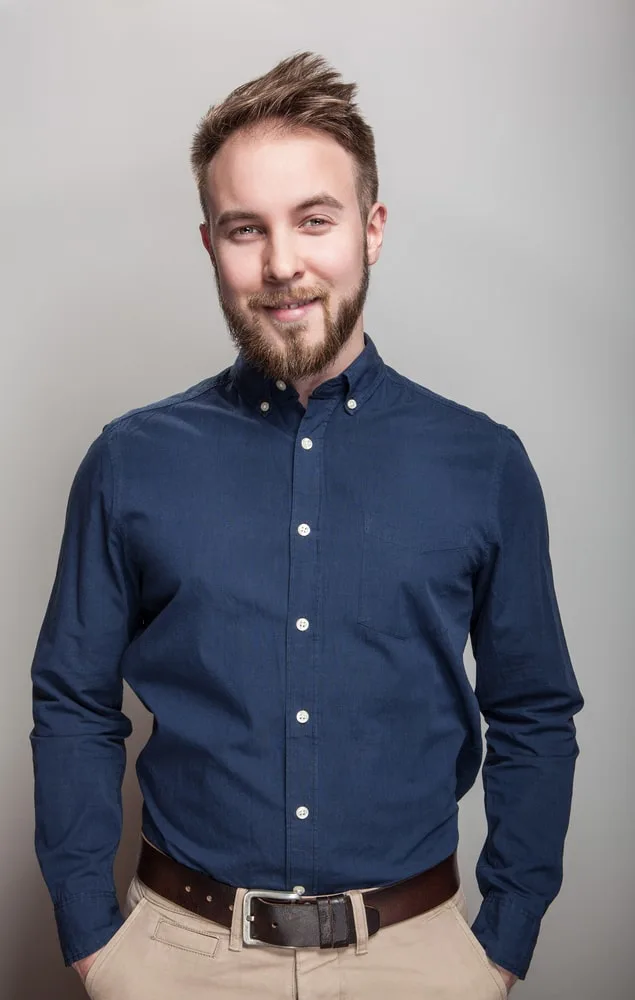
{"points": [[240, 270], [338, 263]]}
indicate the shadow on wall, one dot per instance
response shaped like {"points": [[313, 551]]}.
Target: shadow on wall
{"points": [[37, 971]]}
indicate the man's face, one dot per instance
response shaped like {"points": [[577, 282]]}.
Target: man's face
{"points": [[285, 228]]}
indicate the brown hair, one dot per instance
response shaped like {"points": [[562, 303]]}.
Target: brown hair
{"points": [[301, 92]]}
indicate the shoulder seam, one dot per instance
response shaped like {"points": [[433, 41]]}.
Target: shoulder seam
{"points": [[112, 512], [111, 437], [114, 520], [505, 438], [140, 412], [395, 377]]}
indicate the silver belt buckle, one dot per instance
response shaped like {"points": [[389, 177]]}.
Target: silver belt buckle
{"points": [[248, 917]]}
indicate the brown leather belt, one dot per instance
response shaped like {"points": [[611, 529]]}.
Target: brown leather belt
{"points": [[288, 920]]}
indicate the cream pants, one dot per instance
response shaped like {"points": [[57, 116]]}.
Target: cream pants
{"points": [[164, 952]]}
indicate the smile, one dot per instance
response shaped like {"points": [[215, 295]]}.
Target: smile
{"points": [[291, 310]]}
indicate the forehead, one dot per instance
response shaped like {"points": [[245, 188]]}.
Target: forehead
{"points": [[267, 171]]}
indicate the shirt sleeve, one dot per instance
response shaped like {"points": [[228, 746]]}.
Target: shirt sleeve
{"points": [[528, 695], [79, 729]]}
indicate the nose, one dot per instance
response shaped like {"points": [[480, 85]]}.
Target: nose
{"points": [[282, 263]]}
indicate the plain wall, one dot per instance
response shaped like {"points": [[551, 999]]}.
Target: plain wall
{"points": [[505, 136]]}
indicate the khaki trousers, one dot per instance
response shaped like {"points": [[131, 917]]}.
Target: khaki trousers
{"points": [[164, 952]]}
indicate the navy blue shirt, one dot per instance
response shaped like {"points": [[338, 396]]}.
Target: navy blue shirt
{"points": [[290, 593]]}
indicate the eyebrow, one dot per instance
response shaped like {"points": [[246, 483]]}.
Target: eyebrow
{"points": [[239, 214]]}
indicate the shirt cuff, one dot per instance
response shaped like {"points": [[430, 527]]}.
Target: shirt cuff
{"points": [[86, 923], [507, 932]]}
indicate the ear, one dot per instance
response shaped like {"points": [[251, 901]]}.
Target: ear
{"points": [[375, 231], [204, 231]]}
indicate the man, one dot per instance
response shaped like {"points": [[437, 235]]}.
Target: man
{"points": [[285, 562]]}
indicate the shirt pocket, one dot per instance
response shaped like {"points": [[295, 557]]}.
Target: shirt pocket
{"points": [[407, 574]]}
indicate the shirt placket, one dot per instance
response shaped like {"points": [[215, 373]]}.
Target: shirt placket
{"points": [[303, 643]]}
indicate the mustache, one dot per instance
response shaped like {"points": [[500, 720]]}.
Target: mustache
{"points": [[275, 300]]}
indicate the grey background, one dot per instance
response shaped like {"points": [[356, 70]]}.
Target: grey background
{"points": [[505, 135]]}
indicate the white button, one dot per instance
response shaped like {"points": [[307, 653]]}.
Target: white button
{"points": [[302, 812], [264, 406], [302, 716], [351, 403], [281, 385], [304, 530], [299, 889], [302, 624], [307, 443]]}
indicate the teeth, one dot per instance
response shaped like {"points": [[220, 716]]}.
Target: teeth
{"points": [[293, 305]]}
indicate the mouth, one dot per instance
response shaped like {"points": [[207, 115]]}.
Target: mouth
{"points": [[291, 311]]}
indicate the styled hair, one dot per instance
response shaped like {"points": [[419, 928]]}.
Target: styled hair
{"points": [[301, 92]]}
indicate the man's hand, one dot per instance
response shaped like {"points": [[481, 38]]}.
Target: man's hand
{"points": [[82, 965], [508, 977]]}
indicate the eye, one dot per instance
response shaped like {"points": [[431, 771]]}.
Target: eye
{"points": [[316, 223], [244, 231]]}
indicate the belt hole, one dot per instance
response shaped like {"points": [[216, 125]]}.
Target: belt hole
{"points": [[274, 925], [231, 906], [208, 898], [188, 888]]}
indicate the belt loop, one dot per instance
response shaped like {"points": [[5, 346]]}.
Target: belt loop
{"points": [[361, 924], [236, 932]]}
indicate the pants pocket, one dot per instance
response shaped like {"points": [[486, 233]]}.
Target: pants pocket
{"points": [[459, 911], [132, 909]]}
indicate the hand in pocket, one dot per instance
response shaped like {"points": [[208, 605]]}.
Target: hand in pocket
{"points": [[82, 965]]}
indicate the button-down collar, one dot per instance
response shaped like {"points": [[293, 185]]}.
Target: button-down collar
{"points": [[353, 385]]}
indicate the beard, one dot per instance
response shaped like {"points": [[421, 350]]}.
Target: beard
{"points": [[297, 360]]}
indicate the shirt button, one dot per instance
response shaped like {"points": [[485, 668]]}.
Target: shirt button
{"points": [[281, 385], [302, 624], [264, 406], [304, 530], [307, 444], [299, 889], [302, 812], [352, 404], [302, 716]]}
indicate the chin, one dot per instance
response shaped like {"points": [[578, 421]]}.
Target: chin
{"points": [[301, 332]]}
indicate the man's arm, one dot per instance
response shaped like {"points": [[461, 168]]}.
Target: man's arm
{"points": [[528, 695], [79, 729]]}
